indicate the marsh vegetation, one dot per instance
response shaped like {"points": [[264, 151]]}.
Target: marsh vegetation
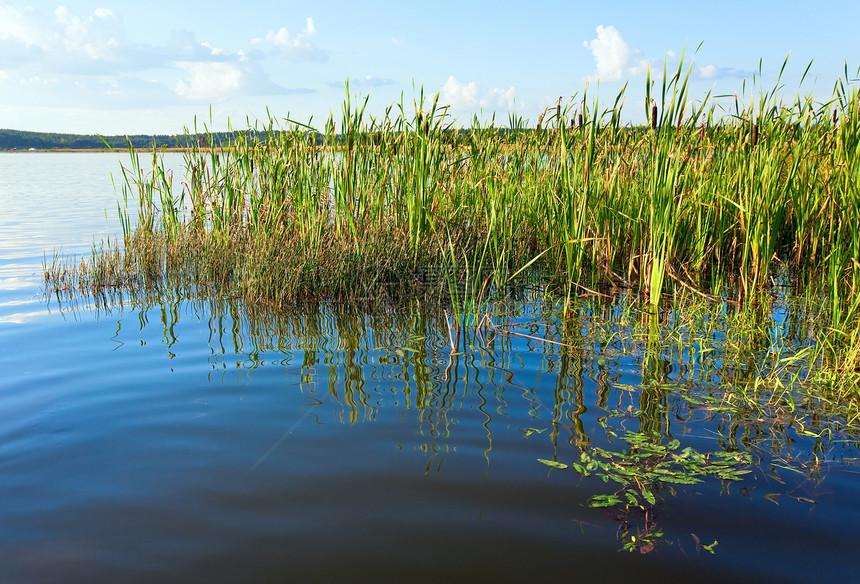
{"points": [[720, 247]]}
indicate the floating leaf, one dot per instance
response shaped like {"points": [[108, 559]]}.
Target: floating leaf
{"points": [[552, 463], [649, 496], [680, 479], [530, 431], [604, 501], [710, 548]]}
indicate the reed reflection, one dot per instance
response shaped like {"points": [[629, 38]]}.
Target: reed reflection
{"points": [[585, 372]]}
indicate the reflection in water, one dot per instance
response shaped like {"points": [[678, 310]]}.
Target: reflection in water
{"points": [[287, 428], [396, 360], [662, 371]]}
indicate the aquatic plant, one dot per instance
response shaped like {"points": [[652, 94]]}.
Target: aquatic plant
{"points": [[717, 204], [646, 469]]}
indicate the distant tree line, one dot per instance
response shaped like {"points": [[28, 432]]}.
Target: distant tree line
{"points": [[21, 140]]}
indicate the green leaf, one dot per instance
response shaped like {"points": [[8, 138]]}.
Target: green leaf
{"points": [[552, 463], [604, 501], [649, 496], [680, 479], [710, 548]]}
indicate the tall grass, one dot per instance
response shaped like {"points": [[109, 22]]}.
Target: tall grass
{"points": [[710, 199]]}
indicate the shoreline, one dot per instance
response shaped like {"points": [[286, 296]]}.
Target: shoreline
{"points": [[91, 150]]}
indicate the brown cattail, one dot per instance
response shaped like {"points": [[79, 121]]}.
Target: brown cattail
{"points": [[580, 121], [654, 117], [702, 131], [834, 116], [755, 134]]}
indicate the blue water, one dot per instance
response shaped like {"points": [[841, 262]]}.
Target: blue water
{"points": [[195, 442]]}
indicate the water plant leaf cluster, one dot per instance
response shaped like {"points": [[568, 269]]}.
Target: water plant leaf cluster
{"points": [[643, 472], [649, 466]]}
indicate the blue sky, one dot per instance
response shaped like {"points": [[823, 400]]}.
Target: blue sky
{"points": [[151, 67]]}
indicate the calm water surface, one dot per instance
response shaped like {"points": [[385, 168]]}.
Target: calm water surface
{"points": [[191, 442]]}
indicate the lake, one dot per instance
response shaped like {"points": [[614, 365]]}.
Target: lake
{"points": [[195, 441]]}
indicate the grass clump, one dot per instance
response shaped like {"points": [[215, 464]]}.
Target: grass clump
{"points": [[717, 203]]}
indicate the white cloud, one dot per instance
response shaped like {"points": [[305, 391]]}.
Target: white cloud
{"points": [[183, 46], [297, 47], [613, 56], [376, 81], [708, 72], [210, 81], [23, 26], [714, 72], [215, 50], [84, 55], [63, 42], [611, 53], [216, 81], [83, 61], [470, 96], [96, 37]]}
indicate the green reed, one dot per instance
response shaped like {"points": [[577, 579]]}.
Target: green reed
{"points": [[718, 201]]}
